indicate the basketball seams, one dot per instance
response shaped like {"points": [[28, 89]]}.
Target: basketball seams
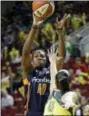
{"points": [[39, 11], [43, 10], [39, 4]]}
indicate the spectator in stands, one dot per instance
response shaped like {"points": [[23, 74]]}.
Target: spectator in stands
{"points": [[86, 110], [76, 21], [44, 42], [68, 47], [87, 58], [22, 36], [70, 70], [7, 76], [5, 52], [82, 100], [48, 32], [88, 68], [80, 72], [15, 55], [84, 17], [5, 81], [6, 99], [79, 67], [9, 37]]}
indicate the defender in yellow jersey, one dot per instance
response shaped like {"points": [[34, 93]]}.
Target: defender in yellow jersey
{"points": [[53, 107], [62, 101]]}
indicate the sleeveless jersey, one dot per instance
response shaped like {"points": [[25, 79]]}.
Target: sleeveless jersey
{"points": [[54, 105], [39, 89]]}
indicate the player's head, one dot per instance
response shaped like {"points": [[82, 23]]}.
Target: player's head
{"points": [[39, 58], [63, 80]]}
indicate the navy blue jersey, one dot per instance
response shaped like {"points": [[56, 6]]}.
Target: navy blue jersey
{"points": [[39, 89]]}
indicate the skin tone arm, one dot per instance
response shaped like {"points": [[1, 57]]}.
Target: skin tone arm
{"points": [[61, 44], [53, 55], [26, 59]]}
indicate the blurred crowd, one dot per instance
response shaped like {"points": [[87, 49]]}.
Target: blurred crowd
{"points": [[15, 28]]}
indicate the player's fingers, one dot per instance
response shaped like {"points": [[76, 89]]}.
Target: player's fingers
{"points": [[68, 16], [53, 49], [64, 15]]}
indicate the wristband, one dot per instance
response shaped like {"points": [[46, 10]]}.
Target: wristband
{"points": [[35, 26]]}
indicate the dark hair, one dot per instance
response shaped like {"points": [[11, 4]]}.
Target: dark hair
{"points": [[65, 85], [62, 81]]}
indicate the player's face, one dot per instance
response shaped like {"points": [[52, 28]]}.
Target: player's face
{"points": [[39, 58]]}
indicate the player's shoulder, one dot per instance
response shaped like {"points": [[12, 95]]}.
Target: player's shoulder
{"points": [[73, 93], [70, 95]]}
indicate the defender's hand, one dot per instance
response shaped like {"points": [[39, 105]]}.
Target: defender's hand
{"points": [[52, 54]]}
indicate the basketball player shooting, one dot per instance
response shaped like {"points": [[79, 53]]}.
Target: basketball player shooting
{"points": [[34, 70]]}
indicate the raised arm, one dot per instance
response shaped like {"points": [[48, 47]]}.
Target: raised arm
{"points": [[26, 53], [56, 63], [27, 66], [53, 69], [61, 45]]}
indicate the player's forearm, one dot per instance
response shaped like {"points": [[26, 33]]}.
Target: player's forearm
{"points": [[29, 41], [61, 43], [61, 48], [53, 72]]}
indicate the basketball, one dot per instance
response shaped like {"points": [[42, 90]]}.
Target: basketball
{"points": [[43, 9]]}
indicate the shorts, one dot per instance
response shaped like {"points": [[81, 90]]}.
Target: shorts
{"points": [[34, 114]]}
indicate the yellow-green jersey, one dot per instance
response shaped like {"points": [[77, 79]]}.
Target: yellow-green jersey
{"points": [[54, 105], [54, 108]]}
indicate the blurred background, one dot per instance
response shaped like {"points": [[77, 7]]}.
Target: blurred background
{"points": [[16, 22]]}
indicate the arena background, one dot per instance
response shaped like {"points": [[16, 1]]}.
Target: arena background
{"points": [[16, 21]]}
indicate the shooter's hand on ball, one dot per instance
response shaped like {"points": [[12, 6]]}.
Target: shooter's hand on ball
{"points": [[37, 22]]}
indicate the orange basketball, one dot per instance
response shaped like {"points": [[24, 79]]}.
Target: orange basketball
{"points": [[43, 9]]}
